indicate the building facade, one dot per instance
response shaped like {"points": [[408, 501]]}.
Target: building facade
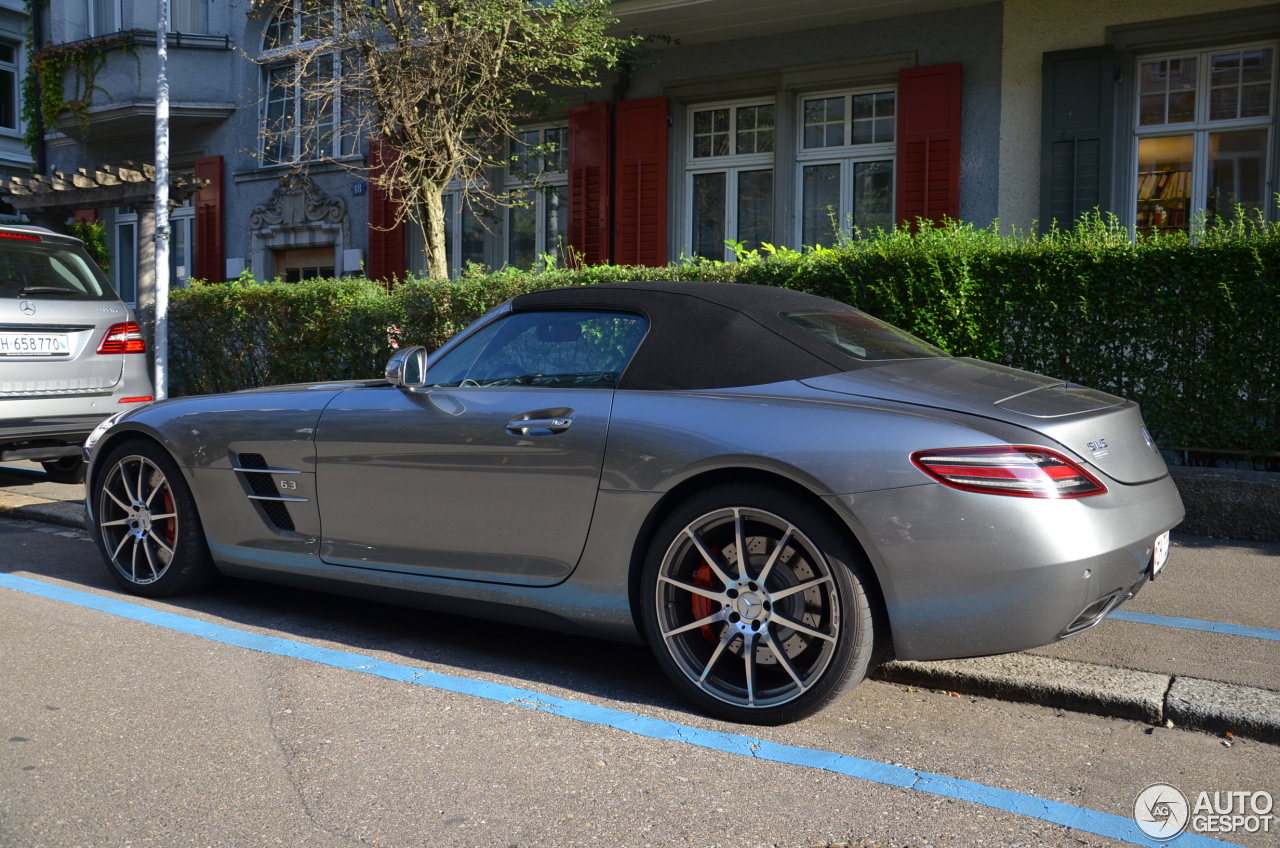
{"points": [[787, 123]]}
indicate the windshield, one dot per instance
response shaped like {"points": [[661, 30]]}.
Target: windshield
{"points": [[859, 335], [34, 269]]}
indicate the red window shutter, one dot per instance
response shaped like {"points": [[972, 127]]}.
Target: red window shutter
{"points": [[589, 148], [928, 180], [387, 259], [640, 202], [210, 228]]}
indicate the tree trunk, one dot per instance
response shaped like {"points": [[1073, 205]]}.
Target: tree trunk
{"points": [[433, 233]]}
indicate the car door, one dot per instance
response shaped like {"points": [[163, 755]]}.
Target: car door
{"points": [[490, 470]]}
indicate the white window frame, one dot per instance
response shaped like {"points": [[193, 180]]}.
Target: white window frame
{"points": [[185, 8], [91, 24], [16, 68], [846, 155], [274, 58], [181, 219], [122, 220], [731, 165], [544, 179], [1202, 127]]}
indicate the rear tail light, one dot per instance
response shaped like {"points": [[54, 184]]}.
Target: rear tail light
{"points": [[141, 399], [1024, 472], [21, 236], [123, 338]]}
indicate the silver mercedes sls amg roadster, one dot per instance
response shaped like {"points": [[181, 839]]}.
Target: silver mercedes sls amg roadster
{"points": [[773, 490]]}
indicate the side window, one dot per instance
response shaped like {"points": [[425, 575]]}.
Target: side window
{"points": [[553, 349]]}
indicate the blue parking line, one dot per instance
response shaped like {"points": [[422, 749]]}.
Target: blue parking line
{"points": [[1196, 624], [1077, 818]]}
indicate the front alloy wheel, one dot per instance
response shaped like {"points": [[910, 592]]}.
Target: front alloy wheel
{"points": [[759, 607], [148, 529], [137, 519]]}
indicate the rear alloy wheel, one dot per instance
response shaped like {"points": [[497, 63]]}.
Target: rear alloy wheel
{"points": [[67, 469], [147, 526], [758, 606]]}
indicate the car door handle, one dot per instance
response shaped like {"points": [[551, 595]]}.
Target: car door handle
{"points": [[522, 426]]}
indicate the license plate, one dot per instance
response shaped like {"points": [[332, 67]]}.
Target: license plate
{"points": [[34, 344], [1160, 554]]}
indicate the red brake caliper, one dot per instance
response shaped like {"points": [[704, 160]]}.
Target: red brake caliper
{"points": [[171, 525], [703, 607]]}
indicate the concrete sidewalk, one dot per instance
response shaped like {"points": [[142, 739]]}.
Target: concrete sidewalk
{"points": [[1218, 682]]}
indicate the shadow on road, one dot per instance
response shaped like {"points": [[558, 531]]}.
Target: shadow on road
{"points": [[448, 643]]}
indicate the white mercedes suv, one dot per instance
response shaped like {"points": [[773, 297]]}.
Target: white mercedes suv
{"points": [[71, 351]]}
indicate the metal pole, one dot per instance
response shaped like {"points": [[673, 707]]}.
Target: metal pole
{"points": [[161, 352]]}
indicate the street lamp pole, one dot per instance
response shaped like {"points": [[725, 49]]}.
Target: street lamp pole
{"points": [[161, 338]]}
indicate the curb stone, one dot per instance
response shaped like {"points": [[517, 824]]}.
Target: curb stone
{"points": [[1082, 687], [1188, 702], [63, 513], [1224, 708], [1118, 692]]}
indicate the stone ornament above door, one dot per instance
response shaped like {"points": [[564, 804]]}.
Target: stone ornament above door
{"points": [[298, 214]]}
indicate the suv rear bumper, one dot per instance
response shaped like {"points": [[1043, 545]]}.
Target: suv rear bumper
{"points": [[41, 440]]}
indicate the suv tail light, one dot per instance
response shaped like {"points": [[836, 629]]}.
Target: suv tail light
{"points": [[123, 338], [1024, 472]]}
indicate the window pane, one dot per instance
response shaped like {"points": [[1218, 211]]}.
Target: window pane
{"points": [[522, 232], [524, 163], [711, 133], [558, 154], [873, 195], [8, 100], [473, 231], [555, 222], [820, 215], [1241, 85], [104, 16], [190, 15], [859, 335], [126, 264], [755, 208], [709, 215], [1237, 174], [316, 134], [1168, 89], [278, 142], [179, 269], [755, 129], [278, 32], [8, 52], [873, 118], [450, 203], [1164, 184], [587, 350], [824, 122]]}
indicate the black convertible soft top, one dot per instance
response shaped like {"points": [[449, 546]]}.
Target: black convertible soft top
{"points": [[709, 335]]}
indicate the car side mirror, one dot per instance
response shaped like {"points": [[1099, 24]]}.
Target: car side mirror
{"points": [[407, 368]]}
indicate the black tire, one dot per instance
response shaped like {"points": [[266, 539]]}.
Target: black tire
{"points": [[839, 610], [67, 469], [146, 524]]}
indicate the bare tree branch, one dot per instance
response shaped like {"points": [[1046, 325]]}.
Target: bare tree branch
{"points": [[445, 84]]}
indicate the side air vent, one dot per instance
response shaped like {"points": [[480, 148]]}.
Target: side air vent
{"points": [[259, 477]]}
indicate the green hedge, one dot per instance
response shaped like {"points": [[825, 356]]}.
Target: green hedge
{"points": [[1190, 331]]}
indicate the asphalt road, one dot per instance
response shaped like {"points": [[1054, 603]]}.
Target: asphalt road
{"points": [[115, 732]]}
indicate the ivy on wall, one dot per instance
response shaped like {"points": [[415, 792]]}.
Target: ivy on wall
{"points": [[44, 95]]}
